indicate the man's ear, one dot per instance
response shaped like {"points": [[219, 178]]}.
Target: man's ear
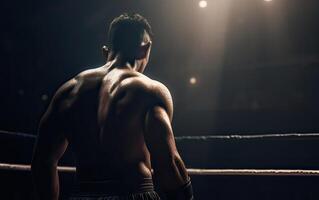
{"points": [[105, 52], [143, 50]]}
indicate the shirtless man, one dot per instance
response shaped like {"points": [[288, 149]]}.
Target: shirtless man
{"points": [[118, 122]]}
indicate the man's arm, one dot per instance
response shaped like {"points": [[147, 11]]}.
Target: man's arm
{"points": [[50, 145], [170, 173]]}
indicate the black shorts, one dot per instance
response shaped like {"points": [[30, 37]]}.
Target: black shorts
{"points": [[115, 190]]}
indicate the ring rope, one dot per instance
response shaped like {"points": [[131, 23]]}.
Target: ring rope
{"points": [[191, 171], [260, 136], [208, 137]]}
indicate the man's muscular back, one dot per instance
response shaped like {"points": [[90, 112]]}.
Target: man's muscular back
{"points": [[117, 120], [107, 111]]}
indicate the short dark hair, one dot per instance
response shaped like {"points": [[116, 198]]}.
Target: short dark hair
{"points": [[126, 33]]}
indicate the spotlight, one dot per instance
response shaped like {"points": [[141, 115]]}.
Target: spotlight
{"points": [[192, 81], [202, 4], [267, 0]]}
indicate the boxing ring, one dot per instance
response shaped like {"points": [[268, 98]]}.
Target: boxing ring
{"points": [[204, 164], [201, 172]]}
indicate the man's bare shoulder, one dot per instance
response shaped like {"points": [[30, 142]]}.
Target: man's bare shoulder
{"points": [[60, 99], [71, 88], [91, 74], [143, 82], [163, 93], [145, 85]]}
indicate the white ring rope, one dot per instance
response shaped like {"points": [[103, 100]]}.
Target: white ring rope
{"points": [[208, 137], [202, 172]]}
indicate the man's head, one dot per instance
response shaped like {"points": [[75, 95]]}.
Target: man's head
{"points": [[130, 36]]}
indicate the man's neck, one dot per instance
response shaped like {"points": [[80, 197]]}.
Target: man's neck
{"points": [[120, 62]]}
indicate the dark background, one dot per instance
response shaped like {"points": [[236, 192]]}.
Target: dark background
{"points": [[256, 62]]}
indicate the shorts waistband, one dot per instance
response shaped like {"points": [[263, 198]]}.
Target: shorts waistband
{"points": [[114, 187]]}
